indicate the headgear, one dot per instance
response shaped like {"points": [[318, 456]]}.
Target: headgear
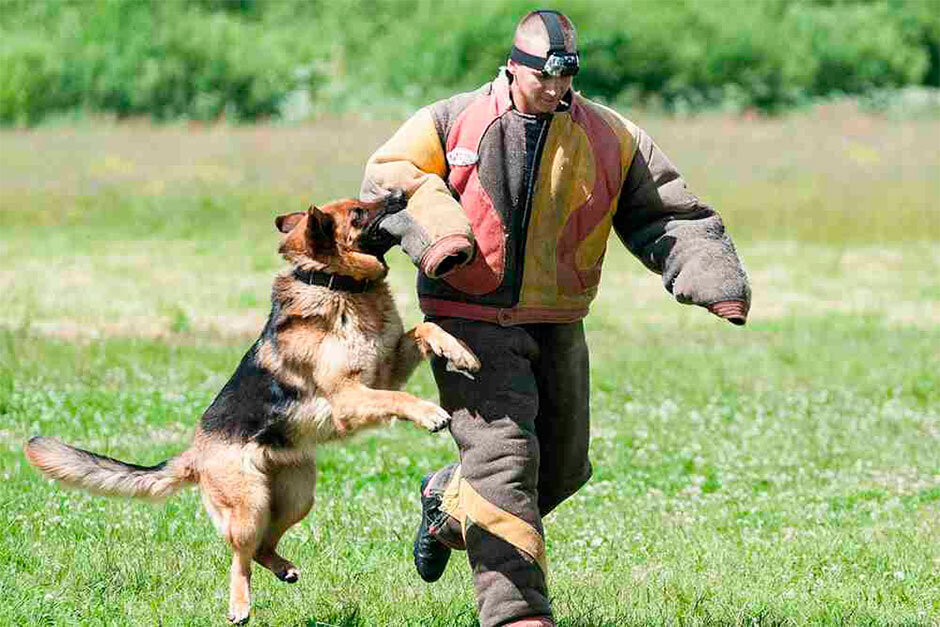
{"points": [[558, 61]]}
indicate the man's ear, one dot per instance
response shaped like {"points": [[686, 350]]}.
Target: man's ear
{"points": [[320, 229], [287, 222]]}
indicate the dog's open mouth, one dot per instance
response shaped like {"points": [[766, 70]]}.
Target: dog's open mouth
{"points": [[375, 239], [375, 243]]}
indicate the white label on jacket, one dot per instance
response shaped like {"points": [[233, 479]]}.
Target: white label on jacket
{"points": [[462, 156]]}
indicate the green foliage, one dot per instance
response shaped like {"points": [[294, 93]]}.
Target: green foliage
{"points": [[243, 59], [765, 55], [29, 81], [714, 55], [169, 60], [856, 48]]}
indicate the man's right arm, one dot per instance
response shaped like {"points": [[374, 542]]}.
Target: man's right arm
{"points": [[433, 230]]}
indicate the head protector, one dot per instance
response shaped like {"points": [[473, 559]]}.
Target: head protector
{"points": [[558, 61]]}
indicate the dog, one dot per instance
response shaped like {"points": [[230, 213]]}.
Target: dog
{"points": [[328, 363]]}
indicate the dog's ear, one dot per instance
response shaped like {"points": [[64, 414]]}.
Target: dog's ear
{"points": [[286, 223], [320, 229]]}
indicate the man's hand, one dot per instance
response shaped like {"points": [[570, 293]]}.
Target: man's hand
{"points": [[734, 311]]}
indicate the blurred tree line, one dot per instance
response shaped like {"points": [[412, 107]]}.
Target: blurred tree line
{"points": [[251, 59]]}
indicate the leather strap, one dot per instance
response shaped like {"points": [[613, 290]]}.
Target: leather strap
{"points": [[335, 282], [556, 37]]}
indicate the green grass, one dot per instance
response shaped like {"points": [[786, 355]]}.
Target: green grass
{"points": [[781, 474]]}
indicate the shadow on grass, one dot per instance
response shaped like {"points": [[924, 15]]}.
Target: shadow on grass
{"points": [[349, 615], [345, 616]]}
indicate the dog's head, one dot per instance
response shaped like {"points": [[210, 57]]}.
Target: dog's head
{"points": [[330, 238]]}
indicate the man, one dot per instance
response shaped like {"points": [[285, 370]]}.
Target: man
{"points": [[510, 251]]}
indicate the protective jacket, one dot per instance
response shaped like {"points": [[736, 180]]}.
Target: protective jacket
{"points": [[509, 214]]}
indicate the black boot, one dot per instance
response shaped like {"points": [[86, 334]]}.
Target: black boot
{"points": [[430, 554]]}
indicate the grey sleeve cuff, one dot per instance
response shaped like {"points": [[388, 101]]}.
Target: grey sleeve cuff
{"points": [[436, 259]]}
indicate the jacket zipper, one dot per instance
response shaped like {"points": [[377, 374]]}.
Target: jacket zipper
{"points": [[527, 212]]}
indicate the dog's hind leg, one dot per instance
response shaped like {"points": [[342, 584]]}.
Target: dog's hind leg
{"points": [[238, 500], [292, 490]]}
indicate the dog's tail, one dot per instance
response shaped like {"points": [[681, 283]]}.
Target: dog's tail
{"points": [[104, 475]]}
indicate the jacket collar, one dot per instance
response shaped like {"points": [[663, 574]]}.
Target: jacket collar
{"points": [[501, 96]]}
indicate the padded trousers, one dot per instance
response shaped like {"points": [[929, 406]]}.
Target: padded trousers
{"points": [[521, 426]]}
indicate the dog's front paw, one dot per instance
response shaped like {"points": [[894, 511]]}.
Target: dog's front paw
{"points": [[458, 355], [430, 416], [461, 359]]}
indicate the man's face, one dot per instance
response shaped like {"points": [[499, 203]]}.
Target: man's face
{"points": [[532, 93]]}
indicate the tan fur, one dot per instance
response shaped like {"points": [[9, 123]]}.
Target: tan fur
{"points": [[344, 354], [102, 475]]}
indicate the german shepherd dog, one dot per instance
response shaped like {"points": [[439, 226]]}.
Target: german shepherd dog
{"points": [[326, 365]]}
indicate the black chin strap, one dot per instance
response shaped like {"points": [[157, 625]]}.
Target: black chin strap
{"points": [[335, 282]]}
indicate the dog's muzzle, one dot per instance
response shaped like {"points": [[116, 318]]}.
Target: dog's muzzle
{"points": [[375, 239]]}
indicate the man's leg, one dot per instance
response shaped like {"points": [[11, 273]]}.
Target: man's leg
{"points": [[494, 495], [562, 375]]}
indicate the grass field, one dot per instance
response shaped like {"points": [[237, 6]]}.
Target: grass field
{"points": [[786, 473]]}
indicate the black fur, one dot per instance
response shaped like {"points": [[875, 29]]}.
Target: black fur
{"points": [[269, 333], [252, 404]]}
